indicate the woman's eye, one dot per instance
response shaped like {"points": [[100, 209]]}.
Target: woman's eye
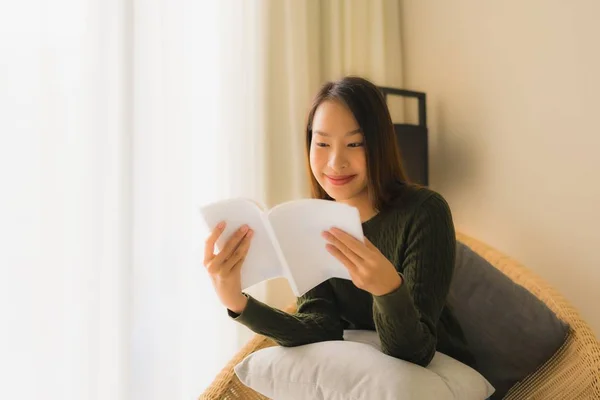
{"points": [[358, 144], [321, 144]]}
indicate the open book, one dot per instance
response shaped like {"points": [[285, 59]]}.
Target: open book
{"points": [[287, 239]]}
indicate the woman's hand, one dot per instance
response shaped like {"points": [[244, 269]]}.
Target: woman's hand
{"points": [[369, 269], [224, 268]]}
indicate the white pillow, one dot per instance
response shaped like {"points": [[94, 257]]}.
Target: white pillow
{"points": [[356, 369]]}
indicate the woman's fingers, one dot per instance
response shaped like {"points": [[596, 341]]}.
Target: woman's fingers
{"points": [[352, 243], [209, 244], [229, 247], [243, 252], [239, 254], [334, 251], [349, 253]]}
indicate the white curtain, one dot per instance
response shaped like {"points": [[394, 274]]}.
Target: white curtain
{"points": [[66, 200], [117, 119], [196, 139]]}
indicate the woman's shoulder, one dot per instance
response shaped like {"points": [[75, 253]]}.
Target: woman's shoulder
{"points": [[418, 208], [412, 207], [408, 197]]}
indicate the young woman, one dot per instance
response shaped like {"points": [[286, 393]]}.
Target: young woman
{"points": [[400, 275]]}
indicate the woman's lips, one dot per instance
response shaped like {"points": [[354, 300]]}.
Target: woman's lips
{"points": [[339, 180]]}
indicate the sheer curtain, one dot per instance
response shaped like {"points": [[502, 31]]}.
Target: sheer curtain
{"points": [[196, 138], [66, 200], [117, 119]]}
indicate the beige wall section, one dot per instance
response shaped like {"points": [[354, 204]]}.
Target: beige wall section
{"points": [[514, 105]]}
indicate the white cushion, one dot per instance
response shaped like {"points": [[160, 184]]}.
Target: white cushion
{"points": [[356, 369]]}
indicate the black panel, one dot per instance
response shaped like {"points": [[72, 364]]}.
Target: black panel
{"points": [[412, 140]]}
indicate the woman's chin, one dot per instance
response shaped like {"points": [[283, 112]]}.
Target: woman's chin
{"points": [[339, 194], [344, 194]]}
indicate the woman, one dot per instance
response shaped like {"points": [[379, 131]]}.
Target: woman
{"points": [[402, 271]]}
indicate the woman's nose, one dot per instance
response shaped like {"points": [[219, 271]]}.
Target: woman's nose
{"points": [[337, 161]]}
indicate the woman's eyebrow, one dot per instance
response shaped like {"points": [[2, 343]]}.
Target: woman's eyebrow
{"points": [[354, 132]]}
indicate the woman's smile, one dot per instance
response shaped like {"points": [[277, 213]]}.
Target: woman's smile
{"points": [[339, 180]]}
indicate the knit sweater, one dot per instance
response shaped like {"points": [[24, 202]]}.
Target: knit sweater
{"points": [[416, 234]]}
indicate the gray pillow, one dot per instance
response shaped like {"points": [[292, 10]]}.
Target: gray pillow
{"points": [[509, 331]]}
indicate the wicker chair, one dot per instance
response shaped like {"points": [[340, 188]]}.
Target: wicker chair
{"points": [[572, 373]]}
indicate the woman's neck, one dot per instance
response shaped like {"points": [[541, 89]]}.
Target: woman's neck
{"points": [[365, 209]]}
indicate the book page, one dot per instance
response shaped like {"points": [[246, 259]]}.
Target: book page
{"points": [[298, 226], [262, 262]]}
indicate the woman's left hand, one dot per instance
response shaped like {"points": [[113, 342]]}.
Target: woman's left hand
{"points": [[369, 269]]}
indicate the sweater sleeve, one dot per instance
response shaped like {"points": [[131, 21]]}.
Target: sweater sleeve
{"points": [[406, 318], [317, 318]]}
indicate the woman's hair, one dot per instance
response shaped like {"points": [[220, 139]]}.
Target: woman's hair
{"points": [[367, 104]]}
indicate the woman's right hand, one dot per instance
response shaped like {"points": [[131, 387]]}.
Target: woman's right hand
{"points": [[224, 268]]}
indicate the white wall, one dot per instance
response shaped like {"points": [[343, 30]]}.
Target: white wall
{"points": [[514, 98]]}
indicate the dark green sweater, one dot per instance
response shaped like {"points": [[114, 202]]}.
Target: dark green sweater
{"points": [[417, 235]]}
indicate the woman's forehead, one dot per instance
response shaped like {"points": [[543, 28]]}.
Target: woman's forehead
{"points": [[334, 118]]}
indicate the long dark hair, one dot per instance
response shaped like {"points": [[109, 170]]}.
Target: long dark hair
{"points": [[384, 163]]}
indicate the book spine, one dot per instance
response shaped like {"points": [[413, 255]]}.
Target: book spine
{"points": [[284, 265]]}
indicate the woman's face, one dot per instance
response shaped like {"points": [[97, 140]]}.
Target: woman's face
{"points": [[337, 153]]}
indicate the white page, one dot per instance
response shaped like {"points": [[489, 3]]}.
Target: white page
{"points": [[262, 262], [298, 226]]}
